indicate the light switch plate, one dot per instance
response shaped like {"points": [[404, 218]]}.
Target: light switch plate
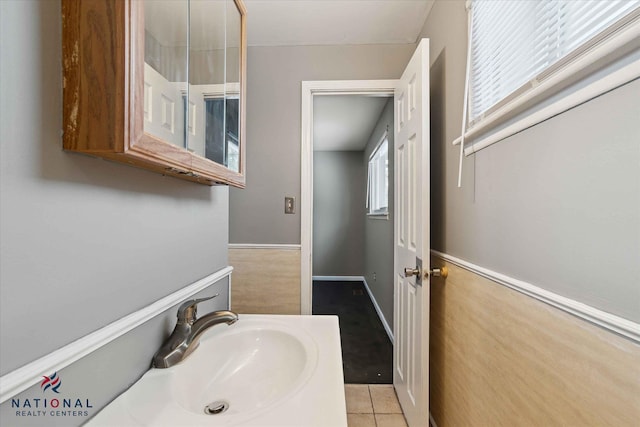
{"points": [[289, 205]]}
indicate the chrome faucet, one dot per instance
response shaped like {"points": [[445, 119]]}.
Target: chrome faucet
{"points": [[186, 335]]}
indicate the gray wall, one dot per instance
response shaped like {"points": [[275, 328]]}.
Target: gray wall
{"points": [[378, 233], [105, 373], [273, 128], [557, 205], [339, 188], [84, 241], [551, 206]]}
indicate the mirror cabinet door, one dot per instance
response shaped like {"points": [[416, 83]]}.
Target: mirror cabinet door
{"points": [[232, 87], [214, 81], [166, 69], [192, 75], [206, 79]]}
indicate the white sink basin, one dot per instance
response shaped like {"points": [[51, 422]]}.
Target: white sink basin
{"points": [[264, 370]]}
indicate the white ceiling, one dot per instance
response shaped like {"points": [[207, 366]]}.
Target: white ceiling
{"points": [[331, 22], [345, 122]]}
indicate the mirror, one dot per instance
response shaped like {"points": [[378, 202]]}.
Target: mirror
{"points": [[232, 87], [166, 69], [192, 76], [206, 74]]}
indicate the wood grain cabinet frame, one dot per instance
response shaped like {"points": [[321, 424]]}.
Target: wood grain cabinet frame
{"points": [[103, 93]]}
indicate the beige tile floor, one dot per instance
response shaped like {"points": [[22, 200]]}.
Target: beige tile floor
{"points": [[373, 405]]}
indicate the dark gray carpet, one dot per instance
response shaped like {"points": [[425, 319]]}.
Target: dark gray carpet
{"points": [[367, 353]]}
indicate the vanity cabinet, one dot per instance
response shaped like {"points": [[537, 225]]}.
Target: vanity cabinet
{"points": [[158, 85]]}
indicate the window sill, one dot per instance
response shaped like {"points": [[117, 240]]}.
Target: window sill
{"points": [[617, 63], [378, 216]]}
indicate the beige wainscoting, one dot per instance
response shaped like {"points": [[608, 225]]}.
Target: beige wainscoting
{"points": [[265, 280], [501, 358]]}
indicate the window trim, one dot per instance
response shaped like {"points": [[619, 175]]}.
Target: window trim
{"points": [[381, 214]]}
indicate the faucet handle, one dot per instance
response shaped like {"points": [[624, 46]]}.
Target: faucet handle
{"points": [[188, 310]]}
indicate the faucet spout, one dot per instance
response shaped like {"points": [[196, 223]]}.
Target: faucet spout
{"points": [[209, 320], [186, 335]]}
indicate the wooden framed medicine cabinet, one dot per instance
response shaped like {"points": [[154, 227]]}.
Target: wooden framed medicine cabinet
{"points": [[111, 103]]}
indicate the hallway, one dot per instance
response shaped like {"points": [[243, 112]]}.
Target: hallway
{"points": [[367, 352]]}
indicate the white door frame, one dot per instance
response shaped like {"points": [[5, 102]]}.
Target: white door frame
{"points": [[309, 90]]}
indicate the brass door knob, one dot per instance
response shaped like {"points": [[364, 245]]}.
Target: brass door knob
{"points": [[437, 272]]}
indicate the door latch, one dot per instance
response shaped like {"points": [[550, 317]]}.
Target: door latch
{"points": [[417, 271], [408, 272], [437, 272]]}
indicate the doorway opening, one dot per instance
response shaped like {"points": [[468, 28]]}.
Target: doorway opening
{"points": [[410, 312], [347, 225]]}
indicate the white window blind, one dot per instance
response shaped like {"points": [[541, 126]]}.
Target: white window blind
{"points": [[378, 180], [517, 44]]}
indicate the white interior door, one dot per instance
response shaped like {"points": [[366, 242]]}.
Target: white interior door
{"points": [[163, 107], [411, 234]]}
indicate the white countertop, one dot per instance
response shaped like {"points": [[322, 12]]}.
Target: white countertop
{"points": [[317, 400]]}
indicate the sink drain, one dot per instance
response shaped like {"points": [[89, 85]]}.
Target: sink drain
{"points": [[217, 407]]}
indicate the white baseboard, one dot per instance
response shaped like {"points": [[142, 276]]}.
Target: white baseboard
{"points": [[379, 311], [339, 278], [385, 324], [22, 378], [608, 321], [285, 247]]}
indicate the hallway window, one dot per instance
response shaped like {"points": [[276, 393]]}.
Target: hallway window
{"points": [[378, 179]]}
